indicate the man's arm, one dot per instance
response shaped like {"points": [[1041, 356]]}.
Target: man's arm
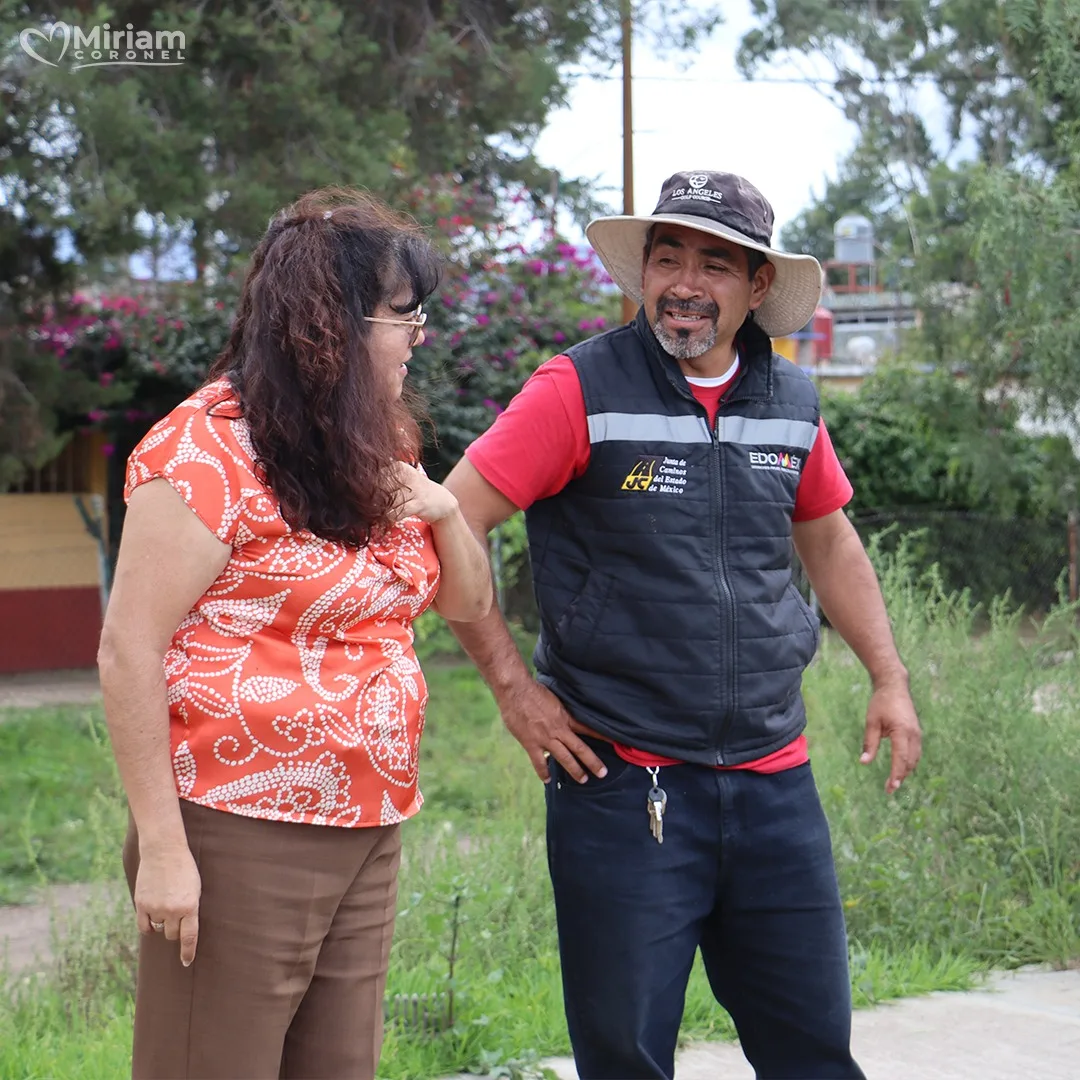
{"points": [[534, 716], [843, 578]]}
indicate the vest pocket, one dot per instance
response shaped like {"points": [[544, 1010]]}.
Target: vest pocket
{"points": [[811, 620], [577, 627]]}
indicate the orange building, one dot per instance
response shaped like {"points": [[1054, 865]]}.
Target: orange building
{"points": [[52, 569]]}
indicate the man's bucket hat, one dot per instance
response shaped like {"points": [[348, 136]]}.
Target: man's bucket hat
{"points": [[721, 204]]}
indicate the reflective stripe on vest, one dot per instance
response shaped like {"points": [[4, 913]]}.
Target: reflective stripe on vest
{"points": [[656, 427]]}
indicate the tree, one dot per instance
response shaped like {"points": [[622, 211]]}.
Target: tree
{"points": [[276, 97], [991, 240]]}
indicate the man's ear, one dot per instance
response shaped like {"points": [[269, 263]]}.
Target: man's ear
{"points": [[759, 287]]}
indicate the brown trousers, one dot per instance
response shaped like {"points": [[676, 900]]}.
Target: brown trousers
{"points": [[295, 923]]}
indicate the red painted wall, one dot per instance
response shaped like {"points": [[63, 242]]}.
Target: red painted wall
{"points": [[49, 629]]}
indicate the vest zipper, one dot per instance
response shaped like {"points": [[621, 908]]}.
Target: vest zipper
{"points": [[727, 613]]}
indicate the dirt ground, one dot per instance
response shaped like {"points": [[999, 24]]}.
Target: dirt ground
{"points": [[26, 929], [29, 689]]}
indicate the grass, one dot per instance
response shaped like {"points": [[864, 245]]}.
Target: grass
{"points": [[57, 785], [975, 864]]}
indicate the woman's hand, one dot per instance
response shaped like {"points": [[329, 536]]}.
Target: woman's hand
{"points": [[167, 891], [421, 497]]}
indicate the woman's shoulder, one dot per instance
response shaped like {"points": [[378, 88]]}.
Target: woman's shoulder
{"points": [[209, 420]]}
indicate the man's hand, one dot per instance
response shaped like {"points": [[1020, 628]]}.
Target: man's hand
{"points": [[540, 722], [891, 715]]}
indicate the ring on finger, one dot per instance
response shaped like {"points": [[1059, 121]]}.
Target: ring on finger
{"points": [[157, 926]]}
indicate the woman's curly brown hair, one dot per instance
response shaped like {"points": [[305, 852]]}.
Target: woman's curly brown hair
{"points": [[326, 424]]}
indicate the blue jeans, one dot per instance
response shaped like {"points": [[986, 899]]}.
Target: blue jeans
{"points": [[745, 873]]}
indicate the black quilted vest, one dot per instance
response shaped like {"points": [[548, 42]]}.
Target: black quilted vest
{"points": [[669, 620]]}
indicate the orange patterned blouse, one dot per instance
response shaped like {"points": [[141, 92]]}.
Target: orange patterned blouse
{"points": [[294, 691]]}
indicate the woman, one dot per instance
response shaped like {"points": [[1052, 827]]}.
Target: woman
{"points": [[279, 543]]}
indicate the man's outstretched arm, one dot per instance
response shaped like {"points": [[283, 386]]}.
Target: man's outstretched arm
{"points": [[533, 715], [847, 587]]}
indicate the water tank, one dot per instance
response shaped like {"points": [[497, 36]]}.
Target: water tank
{"points": [[862, 349], [853, 239]]}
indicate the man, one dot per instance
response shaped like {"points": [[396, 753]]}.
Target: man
{"points": [[666, 469]]}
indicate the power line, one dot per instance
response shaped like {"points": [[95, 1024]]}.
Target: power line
{"points": [[893, 80]]}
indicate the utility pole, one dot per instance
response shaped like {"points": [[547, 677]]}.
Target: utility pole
{"points": [[553, 224], [628, 307], [1074, 555]]}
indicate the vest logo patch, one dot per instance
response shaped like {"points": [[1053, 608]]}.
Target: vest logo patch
{"points": [[789, 463], [666, 476]]}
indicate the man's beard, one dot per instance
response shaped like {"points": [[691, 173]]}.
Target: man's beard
{"points": [[684, 344]]}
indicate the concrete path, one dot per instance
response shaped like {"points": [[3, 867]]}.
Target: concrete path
{"points": [[1023, 1025]]}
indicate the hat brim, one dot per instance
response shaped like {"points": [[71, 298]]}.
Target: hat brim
{"points": [[789, 304]]}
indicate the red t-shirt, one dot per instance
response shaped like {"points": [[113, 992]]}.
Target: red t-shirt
{"points": [[541, 443]]}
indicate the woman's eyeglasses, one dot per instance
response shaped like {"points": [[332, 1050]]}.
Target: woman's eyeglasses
{"points": [[416, 321]]}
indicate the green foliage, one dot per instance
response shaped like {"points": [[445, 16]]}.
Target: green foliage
{"points": [[979, 57], [494, 321], [930, 440], [59, 787], [982, 850], [1021, 323], [930, 454]]}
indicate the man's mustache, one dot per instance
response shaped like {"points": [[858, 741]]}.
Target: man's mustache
{"points": [[708, 310]]}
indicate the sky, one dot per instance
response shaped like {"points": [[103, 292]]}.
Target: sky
{"points": [[695, 112]]}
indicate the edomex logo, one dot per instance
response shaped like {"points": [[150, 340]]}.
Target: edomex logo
{"points": [[74, 48]]}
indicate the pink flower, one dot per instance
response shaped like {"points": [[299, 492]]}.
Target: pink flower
{"points": [[491, 298], [585, 324], [112, 342], [535, 266], [108, 449], [482, 320], [95, 416], [106, 378], [558, 336], [493, 405], [567, 251]]}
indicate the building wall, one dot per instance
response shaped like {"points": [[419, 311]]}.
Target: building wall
{"points": [[50, 576]]}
